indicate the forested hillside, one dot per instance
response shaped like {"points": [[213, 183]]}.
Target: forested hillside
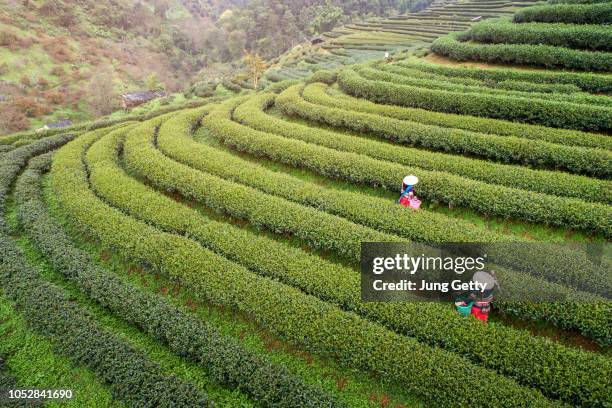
{"points": [[63, 59]]}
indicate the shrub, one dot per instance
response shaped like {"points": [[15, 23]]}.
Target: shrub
{"points": [[566, 13], [586, 81], [58, 71], [338, 99], [587, 37], [129, 373], [55, 97], [553, 113], [525, 86], [186, 335], [327, 77], [423, 227], [398, 75], [302, 319], [517, 177], [12, 120], [278, 87], [523, 54]]}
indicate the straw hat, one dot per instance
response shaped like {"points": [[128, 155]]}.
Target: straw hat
{"points": [[411, 180], [487, 279]]}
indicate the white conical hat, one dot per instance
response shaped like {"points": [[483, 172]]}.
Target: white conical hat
{"points": [[484, 277], [411, 180]]}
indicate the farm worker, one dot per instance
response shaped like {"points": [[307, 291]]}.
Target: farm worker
{"points": [[387, 55], [482, 299], [407, 195]]}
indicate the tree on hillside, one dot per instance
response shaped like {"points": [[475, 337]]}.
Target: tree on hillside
{"points": [[153, 83], [101, 93], [256, 67]]}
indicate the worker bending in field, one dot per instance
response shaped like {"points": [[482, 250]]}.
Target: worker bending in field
{"points": [[478, 303], [408, 199]]}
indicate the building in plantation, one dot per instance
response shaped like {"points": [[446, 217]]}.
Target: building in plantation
{"points": [[317, 40], [58, 125], [133, 99]]}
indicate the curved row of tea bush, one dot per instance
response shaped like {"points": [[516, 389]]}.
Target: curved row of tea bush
{"points": [[523, 54], [398, 75], [330, 282], [565, 266], [516, 177], [373, 212], [225, 360], [544, 181], [131, 376], [443, 187], [554, 114], [250, 112], [566, 13], [327, 96], [508, 84], [508, 149], [301, 319], [320, 229], [586, 37], [586, 81]]}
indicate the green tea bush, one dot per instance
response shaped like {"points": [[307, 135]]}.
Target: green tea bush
{"points": [[323, 95], [128, 372], [523, 54], [510, 85], [250, 113], [525, 86], [325, 280], [554, 114], [301, 319], [278, 87], [225, 359], [397, 75], [600, 13], [327, 77], [443, 187], [586, 81], [585, 37], [517, 177]]}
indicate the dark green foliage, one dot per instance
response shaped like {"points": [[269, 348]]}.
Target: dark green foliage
{"points": [[132, 377], [523, 54], [315, 325], [226, 361], [567, 13], [586, 37], [8, 382]]}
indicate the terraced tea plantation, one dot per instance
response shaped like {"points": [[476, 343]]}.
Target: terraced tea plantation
{"points": [[371, 39], [210, 256]]}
